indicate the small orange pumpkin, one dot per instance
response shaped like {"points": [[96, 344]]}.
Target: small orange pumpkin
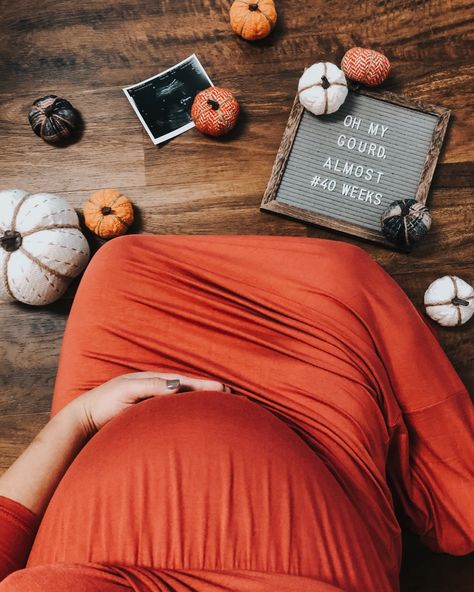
{"points": [[253, 19], [108, 213]]}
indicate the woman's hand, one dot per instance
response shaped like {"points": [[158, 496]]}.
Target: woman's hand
{"points": [[33, 477], [99, 405]]}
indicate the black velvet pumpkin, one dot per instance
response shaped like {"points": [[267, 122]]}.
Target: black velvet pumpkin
{"points": [[52, 118]]}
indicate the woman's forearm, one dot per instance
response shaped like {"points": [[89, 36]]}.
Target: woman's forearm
{"points": [[33, 477]]}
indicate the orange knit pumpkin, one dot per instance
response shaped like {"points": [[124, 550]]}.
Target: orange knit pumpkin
{"points": [[215, 111], [365, 65], [253, 19], [108, 213]]}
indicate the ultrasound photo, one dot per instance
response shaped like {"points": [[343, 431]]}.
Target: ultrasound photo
{"points": [[163, 102]]}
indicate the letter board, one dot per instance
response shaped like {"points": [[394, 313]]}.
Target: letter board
{"points": [[342, 170]]}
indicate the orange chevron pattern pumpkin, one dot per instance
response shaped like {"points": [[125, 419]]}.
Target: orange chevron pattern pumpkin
{"points": [[365, 65], [215, 111]]}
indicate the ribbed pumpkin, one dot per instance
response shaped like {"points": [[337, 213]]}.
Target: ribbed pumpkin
{"points": [[42, 247], [322, 88], [405, 221], [108, 213], [215, 111], [365, 65], [253, 20], [52, 118], [449, 301]]}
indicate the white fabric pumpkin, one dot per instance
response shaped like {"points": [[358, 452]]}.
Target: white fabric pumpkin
{"points": [[322, 88], [41, 246], [450, 301]]}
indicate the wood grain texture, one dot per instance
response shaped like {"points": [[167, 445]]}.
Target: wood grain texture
{"points": [[16, 432], [87, 51]]}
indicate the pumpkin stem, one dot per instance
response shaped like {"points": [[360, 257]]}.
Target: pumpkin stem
{"points": [[11, 240], [213, 104], [460, 301], [325, 81], [405, 208], [48, 111], [253, 6], [106, 210]]}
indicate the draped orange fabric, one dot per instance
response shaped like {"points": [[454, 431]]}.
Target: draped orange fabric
{"points": [[342, 396]]}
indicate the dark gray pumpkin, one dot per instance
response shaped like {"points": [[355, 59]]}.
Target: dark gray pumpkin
{"points": [[405, 221], [52, 118]]}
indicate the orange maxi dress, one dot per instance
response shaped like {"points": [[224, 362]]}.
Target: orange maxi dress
{"points": [[344, 407]]}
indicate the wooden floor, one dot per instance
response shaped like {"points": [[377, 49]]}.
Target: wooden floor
{"points": [[87, 51]]}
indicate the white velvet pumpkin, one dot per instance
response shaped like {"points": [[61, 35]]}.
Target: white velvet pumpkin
{"points": [[41, 246], [322, 88], [449, 300]]}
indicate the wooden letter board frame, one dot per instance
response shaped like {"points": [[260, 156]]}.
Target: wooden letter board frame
{"points": [[270, 203]]}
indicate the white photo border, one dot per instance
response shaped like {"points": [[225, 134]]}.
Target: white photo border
{"points": [[178, 131]]}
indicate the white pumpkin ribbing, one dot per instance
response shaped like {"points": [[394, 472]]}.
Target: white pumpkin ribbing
{"points": [[52, 252], [322, 88], [449, 300]]}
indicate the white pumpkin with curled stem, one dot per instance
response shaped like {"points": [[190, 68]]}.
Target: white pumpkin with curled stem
{"points": [[322, 88], [449, 301], [42, 247]]}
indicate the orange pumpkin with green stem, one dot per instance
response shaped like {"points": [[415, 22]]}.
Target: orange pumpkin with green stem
{"points": [[108, 213], [253, 19]]}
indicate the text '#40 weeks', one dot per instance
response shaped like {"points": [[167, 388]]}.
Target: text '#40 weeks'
{"points": [[347, 189]]}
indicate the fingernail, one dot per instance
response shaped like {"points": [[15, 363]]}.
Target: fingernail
{"points": [[172, 384]]}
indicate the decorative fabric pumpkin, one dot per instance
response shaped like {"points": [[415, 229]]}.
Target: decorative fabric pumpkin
{"points": [[215, 111], [253, 20], [365, 65], [52, 118], [405, 221], [108, 213], [322, 88], [41, 247], [449, 301]]}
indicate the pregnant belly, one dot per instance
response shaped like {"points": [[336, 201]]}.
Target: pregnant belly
{"points": [[204, 480]]}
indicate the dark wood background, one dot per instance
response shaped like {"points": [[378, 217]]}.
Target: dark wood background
{"points": [[87, 51]]}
